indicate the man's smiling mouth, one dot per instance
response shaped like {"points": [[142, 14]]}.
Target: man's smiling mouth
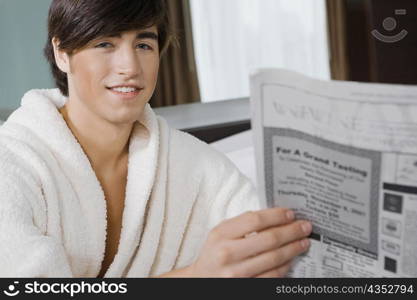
{"points": [[126, 92]]}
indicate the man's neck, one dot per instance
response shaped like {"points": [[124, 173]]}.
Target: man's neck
{"points": [[106, 144]]}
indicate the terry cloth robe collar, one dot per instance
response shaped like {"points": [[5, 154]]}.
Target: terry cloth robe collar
{"points": [[47, 123]]}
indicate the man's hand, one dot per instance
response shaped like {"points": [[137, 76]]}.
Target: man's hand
{"points": [[255, 244]]}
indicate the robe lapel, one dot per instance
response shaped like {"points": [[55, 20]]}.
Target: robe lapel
{"points": [[139, 205]]}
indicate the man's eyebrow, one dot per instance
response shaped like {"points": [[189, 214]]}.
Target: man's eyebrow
{"points": [[147, 35], [141, 35]]}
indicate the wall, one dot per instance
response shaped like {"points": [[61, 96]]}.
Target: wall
{"points": [[23, 33]]}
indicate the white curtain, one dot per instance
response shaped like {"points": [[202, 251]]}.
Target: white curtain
{"points": [[234, 37]]}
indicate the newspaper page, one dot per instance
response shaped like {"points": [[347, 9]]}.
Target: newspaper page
{"points": [[344, 156]]}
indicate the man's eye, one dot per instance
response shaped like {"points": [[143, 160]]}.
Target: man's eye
{"points": [[145, 47], [103, 45]]}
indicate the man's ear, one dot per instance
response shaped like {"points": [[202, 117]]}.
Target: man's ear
{"points": [[61, 57]]}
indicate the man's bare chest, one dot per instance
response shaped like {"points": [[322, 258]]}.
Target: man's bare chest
{"points": [[114, 191]]}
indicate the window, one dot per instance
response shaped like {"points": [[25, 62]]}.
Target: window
{"points": [[234, 37]]}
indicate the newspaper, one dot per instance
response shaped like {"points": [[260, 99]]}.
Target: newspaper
{"points": [[344, 156]]}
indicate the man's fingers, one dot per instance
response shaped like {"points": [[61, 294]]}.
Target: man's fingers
{"points": [[254, 221], [271, 259], [269, 239], [280, 272]]}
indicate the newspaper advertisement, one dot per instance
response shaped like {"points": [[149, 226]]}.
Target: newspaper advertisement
{"points": [[342, 155]]}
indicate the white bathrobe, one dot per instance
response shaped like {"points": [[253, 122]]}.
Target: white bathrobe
{"points": [[53, 209]]}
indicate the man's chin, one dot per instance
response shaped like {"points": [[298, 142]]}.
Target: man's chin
{"points": [[124, 119]]}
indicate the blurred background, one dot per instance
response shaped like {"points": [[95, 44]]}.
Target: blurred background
{"points": [[222, 41]]}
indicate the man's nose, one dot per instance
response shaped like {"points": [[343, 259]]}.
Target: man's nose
{"points": [[128, 62]]}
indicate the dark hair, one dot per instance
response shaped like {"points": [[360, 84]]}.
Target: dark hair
{"points": [[75, 23]]}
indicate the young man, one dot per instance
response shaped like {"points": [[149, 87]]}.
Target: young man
{"points": [[94, 184]]}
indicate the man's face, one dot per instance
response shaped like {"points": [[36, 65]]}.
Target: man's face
{"points": [[128, 61]]}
